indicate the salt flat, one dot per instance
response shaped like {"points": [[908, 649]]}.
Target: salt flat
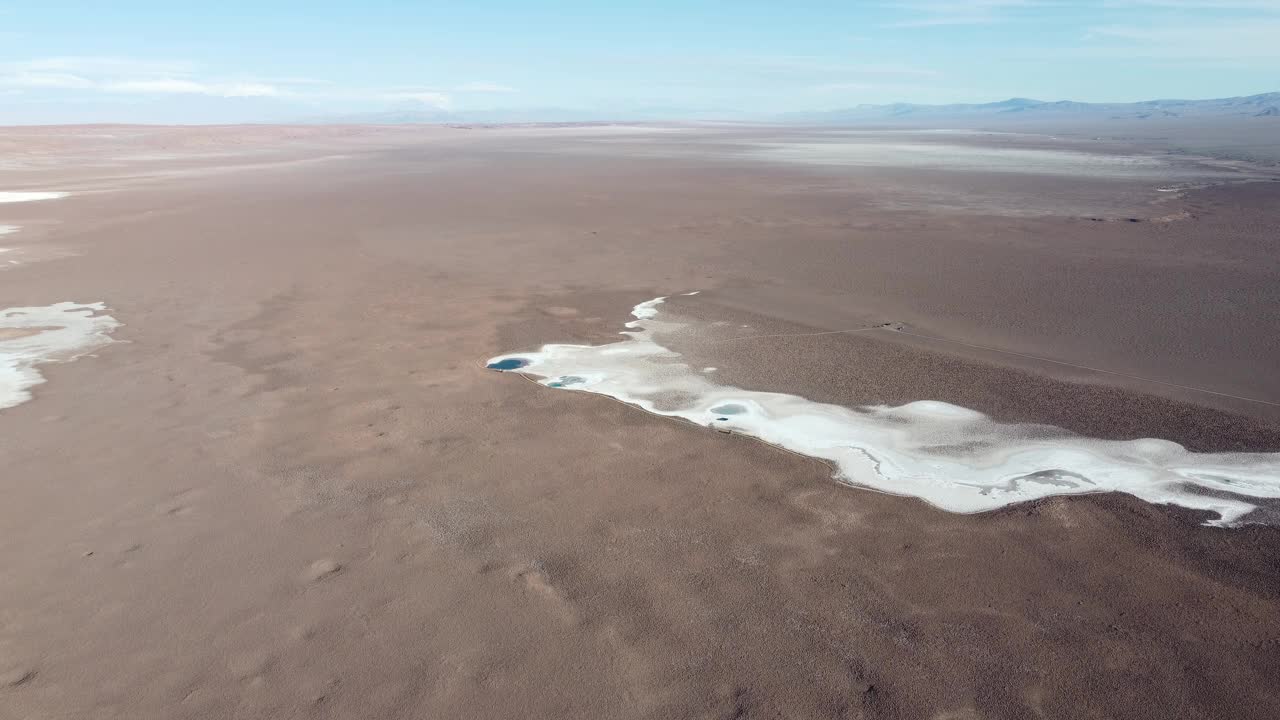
{"points": [[290, 488]]}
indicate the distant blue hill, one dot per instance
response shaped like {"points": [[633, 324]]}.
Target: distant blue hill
{"points": [[1264, 105]]}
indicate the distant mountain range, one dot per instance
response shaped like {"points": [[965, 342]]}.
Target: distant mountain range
{"points": [[1010, 111], [1013, 109], [448, 117], [537, 115]]}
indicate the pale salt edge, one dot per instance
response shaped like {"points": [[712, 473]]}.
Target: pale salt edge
{"points": [[950, 456], [14, 197], [67, 331]]}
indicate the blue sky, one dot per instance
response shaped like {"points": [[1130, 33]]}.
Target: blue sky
{"points": [[134, 60]]}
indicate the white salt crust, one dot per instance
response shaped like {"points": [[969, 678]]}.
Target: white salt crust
{"points": [[950, 456], [62, 332], [16, 197]]}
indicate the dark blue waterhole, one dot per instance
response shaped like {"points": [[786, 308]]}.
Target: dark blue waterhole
{"points": [[508, 364]]}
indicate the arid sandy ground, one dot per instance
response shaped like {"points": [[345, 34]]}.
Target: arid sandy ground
{"points": [[292, 490]]}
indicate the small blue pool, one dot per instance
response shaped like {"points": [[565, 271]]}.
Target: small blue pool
{"points": [[508, 364]]}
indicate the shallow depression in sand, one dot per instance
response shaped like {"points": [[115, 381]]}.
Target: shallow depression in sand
{"points": [[30, 336], [953, 457]]}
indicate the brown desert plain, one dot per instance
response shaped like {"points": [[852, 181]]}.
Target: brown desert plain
{"points": [[290, 488]]}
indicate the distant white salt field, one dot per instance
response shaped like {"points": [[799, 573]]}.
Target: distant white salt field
{"points": [[30, 336], [955, 156], [955, 458], [17, 197], [8, 229]]}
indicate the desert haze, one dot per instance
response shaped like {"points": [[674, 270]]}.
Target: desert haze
{"points": [[938, 420]]}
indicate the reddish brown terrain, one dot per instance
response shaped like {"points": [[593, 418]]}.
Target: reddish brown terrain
{"points": [[290, 488]]}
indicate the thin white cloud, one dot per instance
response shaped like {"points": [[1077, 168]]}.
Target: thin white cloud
{"points": [[246, 89], [929, 13], [485, 87], [125, 75], [174, 86], [925, 13], [805, 64], [1219, 5], [1222, 41], [103, 66], [840, 88], [28, 79], [430, 98], [790, 67]]}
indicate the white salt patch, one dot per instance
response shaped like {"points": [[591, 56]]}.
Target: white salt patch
{"points": [[8, 229], [645, 311], [62, 333], [953, 457], [978, 158], [15, 197]]}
